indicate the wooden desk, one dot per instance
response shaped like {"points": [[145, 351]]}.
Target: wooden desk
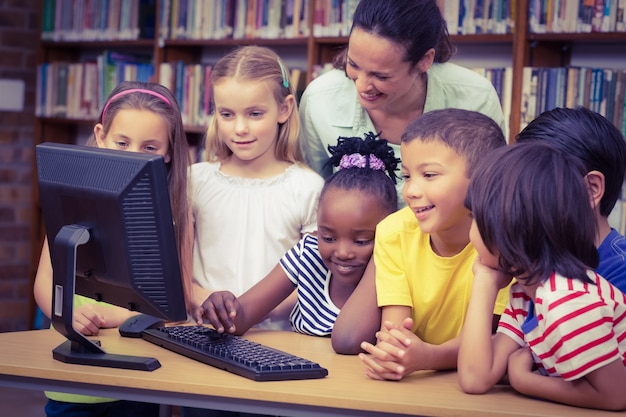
{"points": [[26, 362]]}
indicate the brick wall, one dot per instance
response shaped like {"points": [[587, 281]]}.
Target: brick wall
{"points": [[19, 37]]}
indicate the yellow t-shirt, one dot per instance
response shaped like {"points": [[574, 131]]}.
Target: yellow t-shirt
{"points": [[76, 398], [409, 273]]}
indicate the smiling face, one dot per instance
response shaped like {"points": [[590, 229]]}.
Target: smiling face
{"points": [[248, 117], [346, 223], [382, 78], [136, 131], [435, 184]]}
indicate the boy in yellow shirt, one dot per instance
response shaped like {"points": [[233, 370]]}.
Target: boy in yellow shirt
{"points": [[422, 253]]}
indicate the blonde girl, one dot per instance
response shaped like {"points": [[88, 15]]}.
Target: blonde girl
{"points": [[254, 198]]}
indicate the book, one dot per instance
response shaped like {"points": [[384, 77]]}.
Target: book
{"points": [[585, 17], [585, 87], [597, 89], [620, 82], [571, 95], [90, 103], [620, 16], [507, 88], [40, 93], [113, 20], [239, 22], [297, 79], [146, 19], [73, 90], [468, 24], [318, 18], [529, 95], [61, 82], [164, 20], [251, 20], [207, 106], [167, 75], [598, 15], [570, 15], [48, 19], [180, 25]]}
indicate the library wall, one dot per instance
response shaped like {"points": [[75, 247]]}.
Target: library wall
{"points": [[19, 37]]}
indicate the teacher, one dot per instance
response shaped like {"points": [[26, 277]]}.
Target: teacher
{"points": [[394, 69]]}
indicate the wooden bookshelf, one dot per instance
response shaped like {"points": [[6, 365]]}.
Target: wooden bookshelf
{"points": [[526, 49]]}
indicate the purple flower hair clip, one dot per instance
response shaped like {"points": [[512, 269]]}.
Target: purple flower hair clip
{"points": [[356, 160]]}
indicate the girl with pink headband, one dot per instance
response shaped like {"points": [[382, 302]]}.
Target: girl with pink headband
{"points": [[139, 117]]}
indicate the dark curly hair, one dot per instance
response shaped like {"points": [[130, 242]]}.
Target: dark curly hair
{"points": [[377, 182]]}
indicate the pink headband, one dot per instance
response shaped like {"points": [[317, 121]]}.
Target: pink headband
{"points": [[133, 90], [356, 160]]}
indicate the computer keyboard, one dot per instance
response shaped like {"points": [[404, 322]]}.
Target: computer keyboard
{"points": [[234, 353]]}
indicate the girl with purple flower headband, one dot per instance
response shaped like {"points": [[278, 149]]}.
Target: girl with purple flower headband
{"points": [[352, 202], [371, 152]]}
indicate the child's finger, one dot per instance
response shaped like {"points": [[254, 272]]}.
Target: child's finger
{"points": [[393, 341], [376, 351], [85, 326], [215, 315], [376, 369], [197, 315], [231, 304], [379, 358], [373, 375]]}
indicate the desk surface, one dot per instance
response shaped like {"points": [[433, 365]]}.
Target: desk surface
{"points": [[26, 361]]}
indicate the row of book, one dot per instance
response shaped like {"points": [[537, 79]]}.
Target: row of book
{"points": [[599, 89], [576, 16], [78, 90], [190, 84], [502, 80], [98, 20], [237, 19], [334, 17]]}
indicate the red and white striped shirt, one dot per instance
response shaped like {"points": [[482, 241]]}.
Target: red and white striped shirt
{"points": [[574, 327]]}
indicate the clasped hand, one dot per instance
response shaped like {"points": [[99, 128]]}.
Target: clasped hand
{"points": [[398, 352]]}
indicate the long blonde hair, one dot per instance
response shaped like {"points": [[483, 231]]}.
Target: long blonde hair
{"points": [[257, 63]]}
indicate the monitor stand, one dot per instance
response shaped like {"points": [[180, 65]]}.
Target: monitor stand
{"points": [[78, 349]]}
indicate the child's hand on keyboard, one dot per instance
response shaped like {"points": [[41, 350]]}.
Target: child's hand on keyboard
{"points": [[221, 308]]}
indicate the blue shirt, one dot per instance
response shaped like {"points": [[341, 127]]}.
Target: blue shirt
{"points": [[612, 266]]}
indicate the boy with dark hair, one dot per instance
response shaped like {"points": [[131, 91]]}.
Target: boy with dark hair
{"points": [[600, 146], [563, 335], [422, 253]]}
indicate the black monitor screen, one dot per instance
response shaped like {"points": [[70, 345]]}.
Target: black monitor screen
{"points": [[110, 231]]}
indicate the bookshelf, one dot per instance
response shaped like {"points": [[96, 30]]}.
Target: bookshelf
{"points": [[192, 33]]}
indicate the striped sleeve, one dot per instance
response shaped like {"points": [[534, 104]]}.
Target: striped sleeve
{"points": [[579, 332], [514, 315]]}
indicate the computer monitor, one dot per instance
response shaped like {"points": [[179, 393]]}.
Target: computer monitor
{"points": [[109, 224]]}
